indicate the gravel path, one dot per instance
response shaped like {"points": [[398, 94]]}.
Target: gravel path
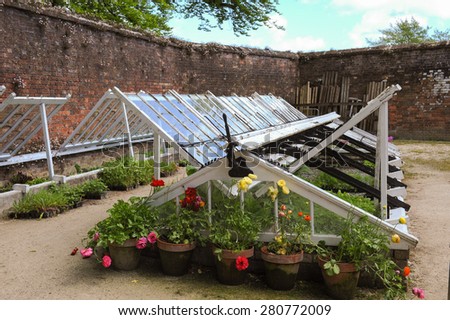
{"points": [[35, 260]]}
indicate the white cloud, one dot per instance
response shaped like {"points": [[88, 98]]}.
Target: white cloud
{"points": [[437, 8], [377, 15], [281, 40]]}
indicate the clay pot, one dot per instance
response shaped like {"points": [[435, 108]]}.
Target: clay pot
{"points": [[226, 266], [344, 284], [175, 258], [281, 270], [125, 256]]}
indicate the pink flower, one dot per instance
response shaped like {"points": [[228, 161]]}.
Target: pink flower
{"points": [[141, 243], [152, 236], [96, 237], [86, 252], [418, 292], [390, 138], [106, 261]]}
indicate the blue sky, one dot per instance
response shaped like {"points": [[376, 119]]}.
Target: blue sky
{"points": [[319, 25]]}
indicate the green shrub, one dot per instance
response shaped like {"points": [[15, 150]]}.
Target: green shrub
{"points": [[120, 174], [93, 189], [168, 169], [42, 204], [72, 194]]}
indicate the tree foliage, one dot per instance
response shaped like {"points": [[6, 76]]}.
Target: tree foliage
{"points": [[154, 15], [408, 31]]}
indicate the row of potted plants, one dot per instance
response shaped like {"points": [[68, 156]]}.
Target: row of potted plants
{"points": [[56, 199], [232, 230]]}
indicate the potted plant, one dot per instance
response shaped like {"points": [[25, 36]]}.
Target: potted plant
{"points": [[179, 231], [363, 246], [233, 236], [124, 233], [94, 189], [282, 256]]}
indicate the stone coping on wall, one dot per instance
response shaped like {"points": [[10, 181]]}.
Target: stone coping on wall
{"points": [[64, 14], [382, 50]]}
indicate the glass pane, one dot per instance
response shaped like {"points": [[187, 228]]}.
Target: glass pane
{"points": [[326, 221], [209, 112], [248, 115], [263, 111], [199, 123]]}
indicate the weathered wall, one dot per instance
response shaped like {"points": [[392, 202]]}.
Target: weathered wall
{"points": [[55, 54], [421, 110]]}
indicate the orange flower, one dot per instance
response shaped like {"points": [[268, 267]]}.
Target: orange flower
{"points": [[300, 213], [283, 207], [406, 271], [307, 218]]}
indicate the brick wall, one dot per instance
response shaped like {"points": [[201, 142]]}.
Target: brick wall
{"points": [[55, 54], [421, 110]]}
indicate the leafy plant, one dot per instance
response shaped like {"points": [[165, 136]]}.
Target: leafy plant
{"points": [[183, 163], [190, 170], [131, 219], [367, 246], [93, 189], [72, 194], [124, 173], [5, 188], [36, 181], [168, 169], [41, 204], [359, 201], [233, 226], [293, 232], [188, 224]]}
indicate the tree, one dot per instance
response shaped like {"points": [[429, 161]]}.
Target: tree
{"points": [[405, 32], [154, 15]]}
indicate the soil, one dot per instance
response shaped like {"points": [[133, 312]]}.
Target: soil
{"points": [[36, 263]]}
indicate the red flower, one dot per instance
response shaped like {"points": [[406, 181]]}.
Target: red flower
{"points": [[191, 192], [106, 261], [307, 217], [241, 263], [406, 271], [157, 183], [74, 251]]}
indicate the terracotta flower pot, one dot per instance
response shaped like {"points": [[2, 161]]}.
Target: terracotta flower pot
{"points": [[175, 258], [125, 256], [226, 270], [344, 284], [281, 270]]}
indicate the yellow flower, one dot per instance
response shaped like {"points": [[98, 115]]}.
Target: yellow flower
{"points": [[285, 190], [272, 193], [402, 220], [281, 251], [242, 185], [395, 238], [247, 180], [281, 183], [253, 176], [278, 239]]}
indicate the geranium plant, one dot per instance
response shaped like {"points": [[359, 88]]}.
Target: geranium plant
{"points": [[133, 219], [186, 224], [367, 246]]}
